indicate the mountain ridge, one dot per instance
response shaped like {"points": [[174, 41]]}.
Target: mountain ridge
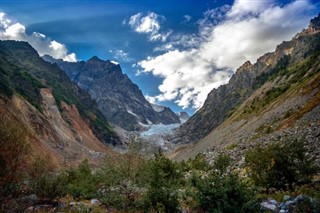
{"points": [[265, 101], [121, 101]]}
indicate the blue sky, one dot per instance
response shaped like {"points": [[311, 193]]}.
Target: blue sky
{"points": [[176, 51]]}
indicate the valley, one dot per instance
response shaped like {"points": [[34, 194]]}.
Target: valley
{"points": [[80, 136]]}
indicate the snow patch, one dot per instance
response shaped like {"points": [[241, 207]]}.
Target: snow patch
{"points": [[130, 112], [114, 62]]}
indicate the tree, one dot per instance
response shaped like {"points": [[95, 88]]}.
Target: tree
{"points": [[280, 164], [163, 184], [81, 182], [225, 193], [123, 178]]}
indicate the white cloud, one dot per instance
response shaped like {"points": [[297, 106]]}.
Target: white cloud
{"points": [[245, 31], [150, 99], [121, 55], [148, 24], [187, 18], [43, 45]]}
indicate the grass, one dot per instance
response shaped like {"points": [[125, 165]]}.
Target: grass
{"points": [[231, 146]]}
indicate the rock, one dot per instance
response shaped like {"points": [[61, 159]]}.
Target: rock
{"points": [[95, 202], [80, 206], [267, 206], [31, 199], [286, 197]]}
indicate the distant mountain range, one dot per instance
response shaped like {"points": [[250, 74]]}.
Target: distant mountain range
{"points": [[276, 98], [120, 100]]}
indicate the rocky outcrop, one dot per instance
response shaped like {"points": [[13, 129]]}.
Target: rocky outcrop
{"points": [[119, 99]]}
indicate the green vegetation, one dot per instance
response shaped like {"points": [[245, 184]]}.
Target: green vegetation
{"points": [[279, 69], [258, 104], [280, 165], [14, 149], [231, 146], [131, 182]]}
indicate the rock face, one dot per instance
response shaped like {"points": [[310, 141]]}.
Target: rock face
{"points": [[222, 102], [119, 99], [275, 99], [63, 121]]}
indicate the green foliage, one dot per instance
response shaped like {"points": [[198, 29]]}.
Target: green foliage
{"points": [[280, 165], [198, 163], [222, 163], [231, 146], [81, 181], [123, 179], [163, 184], [258, 104], [225, 193]]}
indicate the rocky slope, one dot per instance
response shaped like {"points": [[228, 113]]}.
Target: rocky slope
{"points": [[64, 123], [274, 99], [119, 99]]}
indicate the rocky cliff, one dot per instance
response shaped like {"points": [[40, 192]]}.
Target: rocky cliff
{"points": [[64, 123], [273, 99], [119, 99]]}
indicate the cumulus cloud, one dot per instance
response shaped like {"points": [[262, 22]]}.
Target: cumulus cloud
{"points": [[148, 24], [244, 31], [43, 44]]}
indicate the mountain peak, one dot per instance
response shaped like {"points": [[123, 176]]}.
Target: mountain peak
{"points": [[95, 59], [314, 24], [244, 66]]}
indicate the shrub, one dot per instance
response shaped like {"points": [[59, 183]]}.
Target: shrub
{"points": [[44, 181], [225, 193], [222, 163], [14, 150], [280, 165], [123, 179], [163, 184], [81, 181]]}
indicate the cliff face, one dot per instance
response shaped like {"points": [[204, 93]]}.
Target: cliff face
{"points": [[119, 99], [267, 95], [63, 121]]}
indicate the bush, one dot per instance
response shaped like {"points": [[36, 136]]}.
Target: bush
{"points": [[81, 181], [280, 165], [123, 180], [164, 183], [225, 193], [14, 150], [44, 181]]}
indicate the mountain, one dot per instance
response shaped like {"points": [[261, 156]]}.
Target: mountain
{"points": [[275, 98], [120, 100], [62, 120]]}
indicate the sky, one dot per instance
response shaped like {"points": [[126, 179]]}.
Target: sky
{"points": [[176, 51]]}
